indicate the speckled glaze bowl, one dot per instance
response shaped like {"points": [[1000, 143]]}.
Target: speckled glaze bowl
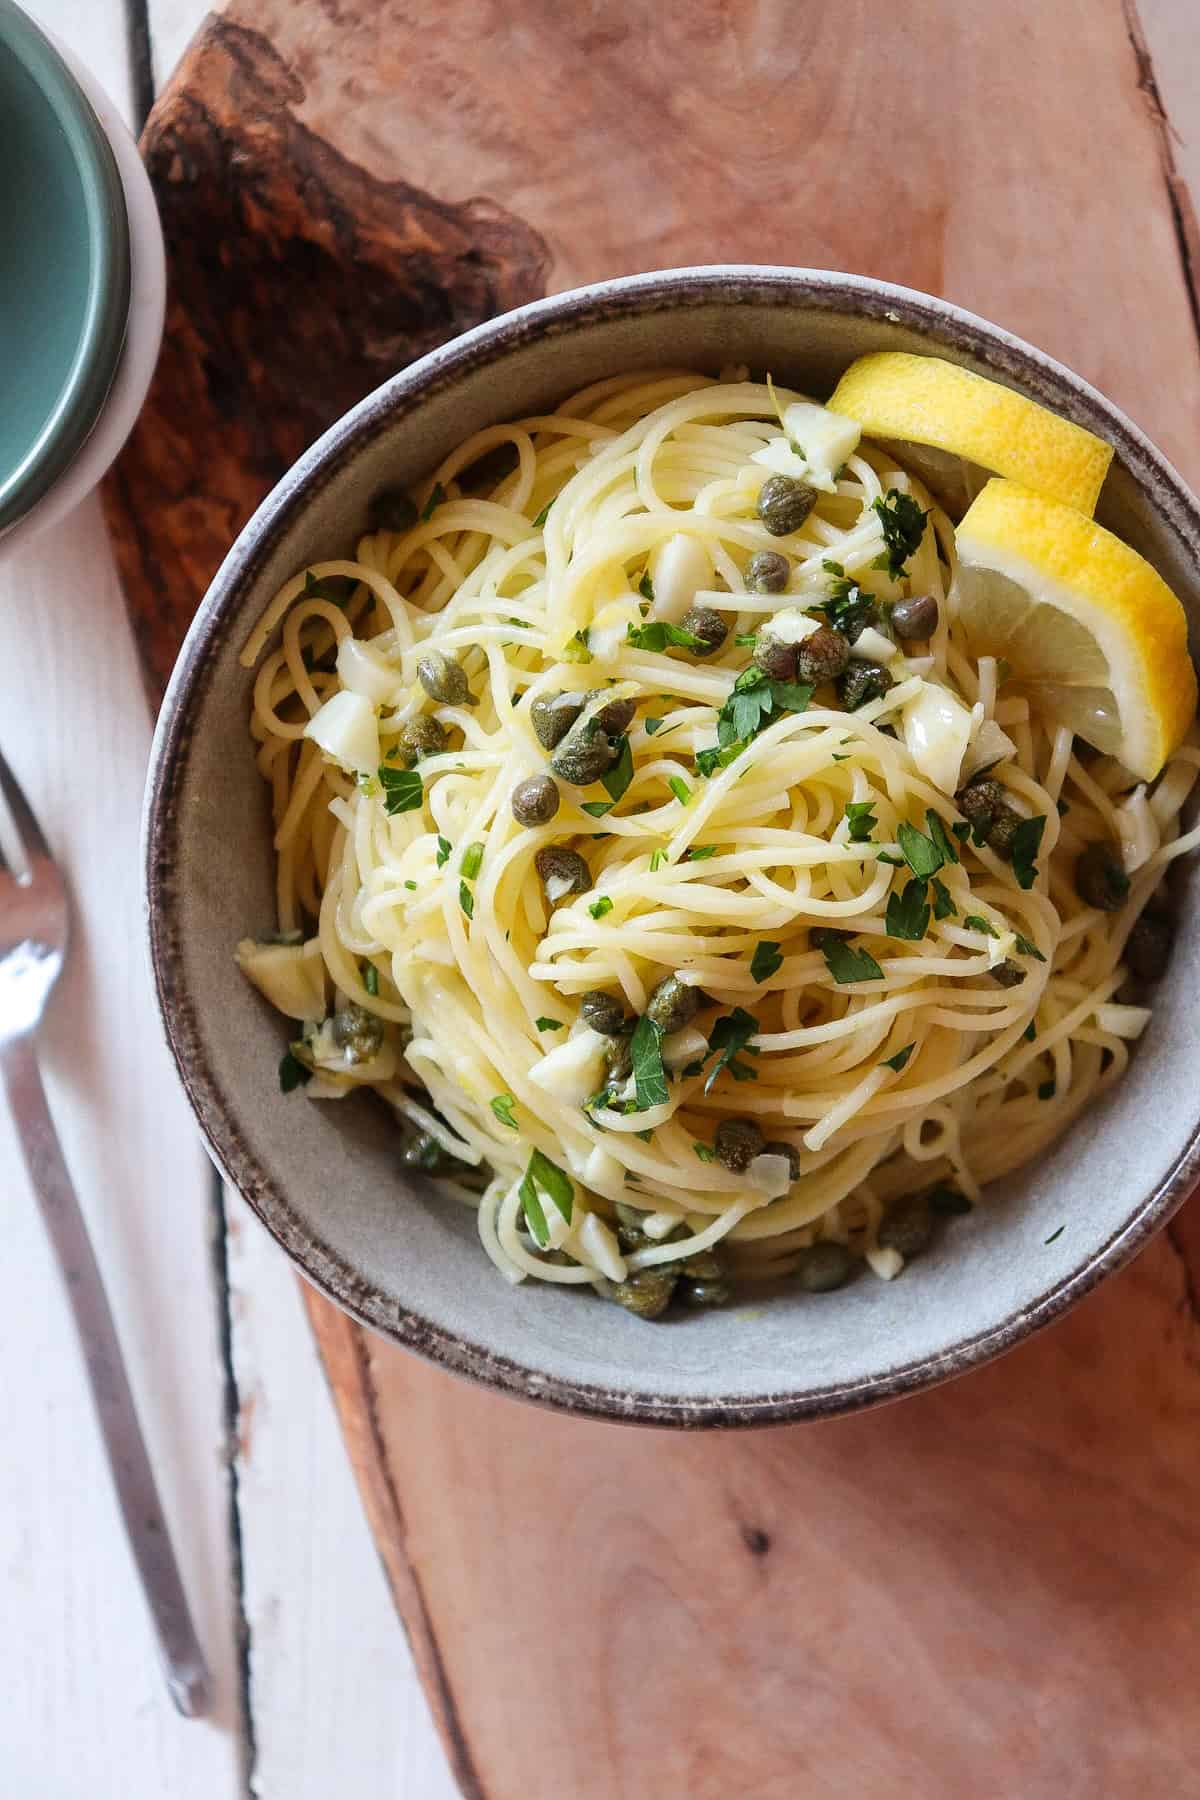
{"points": [[326, 1180]]}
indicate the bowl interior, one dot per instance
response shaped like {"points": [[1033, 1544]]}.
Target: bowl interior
{"points": [[63, 306], [326, 1178]]}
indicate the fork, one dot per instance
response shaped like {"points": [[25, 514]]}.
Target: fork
{"points": [[34, 924]]}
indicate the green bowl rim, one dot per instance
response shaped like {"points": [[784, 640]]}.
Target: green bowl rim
{"points": [[98, 352]]}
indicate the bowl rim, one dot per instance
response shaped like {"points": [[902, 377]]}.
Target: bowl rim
{"points": [[69, 420], [1030, 369]]}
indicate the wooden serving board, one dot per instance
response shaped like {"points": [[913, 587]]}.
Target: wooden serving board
{"points": [[991, 1589]]}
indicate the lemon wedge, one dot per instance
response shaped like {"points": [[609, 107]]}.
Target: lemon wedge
{"points": [[1083, 621], [955, 428]]}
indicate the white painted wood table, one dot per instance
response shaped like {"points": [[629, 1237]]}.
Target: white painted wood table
{"points": [[316, 1694]]}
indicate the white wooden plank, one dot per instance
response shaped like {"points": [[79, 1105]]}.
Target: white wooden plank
{"points": [[83, 1706], [335, 1699]]}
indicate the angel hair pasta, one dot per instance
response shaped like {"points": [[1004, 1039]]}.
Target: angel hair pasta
{"points": [[683, 828]]}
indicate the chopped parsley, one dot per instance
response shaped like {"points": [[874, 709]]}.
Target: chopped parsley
{"points": [[660, 634], [437, 495], [907, 914], [576, 649], [1046, 1090], [746, 640], [443, 852], [596, 808], [921, 854], [1026, 841], [646, 586], [898, 1061], [705, 1152], [752, 705], [847, 964], [292, 1072], [903, 525], [715, 757], [371, 977], [502, 1106], [680, 789], [893, 861], [943, 905], [657, 859], [544, 1178], [701, 852], [411, 886], [1025, 948], [766, 960], [849, 608], [472, 861], [860, 815], [543, 516], [1030, 1032], [731, 1035], [599, 907], [1054, 1234], [961, 829], [403, 789], [976, 922], [940, 836], [466, 899], [620, 775], [650, 1078], [544, 1024], [652, 725]]}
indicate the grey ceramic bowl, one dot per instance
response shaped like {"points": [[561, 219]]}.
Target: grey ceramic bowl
{"points": [[325, 1180]]}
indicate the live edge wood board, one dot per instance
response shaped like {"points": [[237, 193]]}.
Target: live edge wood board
{"points": [[990, 1590]]}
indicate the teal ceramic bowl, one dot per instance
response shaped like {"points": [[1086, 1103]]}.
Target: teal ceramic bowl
{"points": [[65, 285]]}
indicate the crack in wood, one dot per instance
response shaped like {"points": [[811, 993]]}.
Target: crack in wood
{"points": [[1179, 198]]}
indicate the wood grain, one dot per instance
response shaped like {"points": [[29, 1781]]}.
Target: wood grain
{"points": [[990, 1589]]}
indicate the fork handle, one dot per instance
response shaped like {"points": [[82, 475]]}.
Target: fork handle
{"points": [[186, 1671]]}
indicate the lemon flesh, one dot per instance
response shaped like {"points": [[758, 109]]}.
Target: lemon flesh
{"points": [[1090, 628], [954, 428]]}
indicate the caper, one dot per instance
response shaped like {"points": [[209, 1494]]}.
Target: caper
{"points": [[862, 682], [1002, 830], [707, 624], [703, 1293], [631, 1238], [824, 1266], [979, 802], [907, 1226], [443, 679], [423, 1152], [422, 736], [357, 1033], [777, 1147], [1100, 878], [916, 617], [647, 1292], [1148, 946], [563, 872], [824, 937], [392, 510], [705, 1265], [603, 1012], [1008, 974], [552, 716], [673, 1004], [618, 1061], [767, 572], [784, 503], [535, 800], [585, 754], [616, 716], [776, 659], [737, 1142], [823, 656]]}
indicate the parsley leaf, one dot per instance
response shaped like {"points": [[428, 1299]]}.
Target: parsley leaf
{"points": [[705, 1152], [766, 960], [292, 1072], [599, 907], [754, 701], [649, 1075], [597, 808], [903, 525], [920, 852], [646, 586], [898, 1061], [1030, 1032], [1026, 840], [437, 495], [1025, 948], [1046, 1090], [502, 1106], [746, 640], [718, 756], [337, 588], [652, 725], [701, 852], [730, 1035], [472, 861], [466, 899], [861, 815], [941, 837], [660, 634], [975, 922], [576, 650], [1054, 1234], [620, 775], [657, 859], [544, 1024], [907, 914], [543, 516], [371, 979], [893, 861], [544, 1177], [403, 789], [849, 608], [680, 789], [943, 905], [847, 964], [961, 829]]}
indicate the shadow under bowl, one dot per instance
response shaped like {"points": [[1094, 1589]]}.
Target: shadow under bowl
{"points": [[326, 1180]]}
